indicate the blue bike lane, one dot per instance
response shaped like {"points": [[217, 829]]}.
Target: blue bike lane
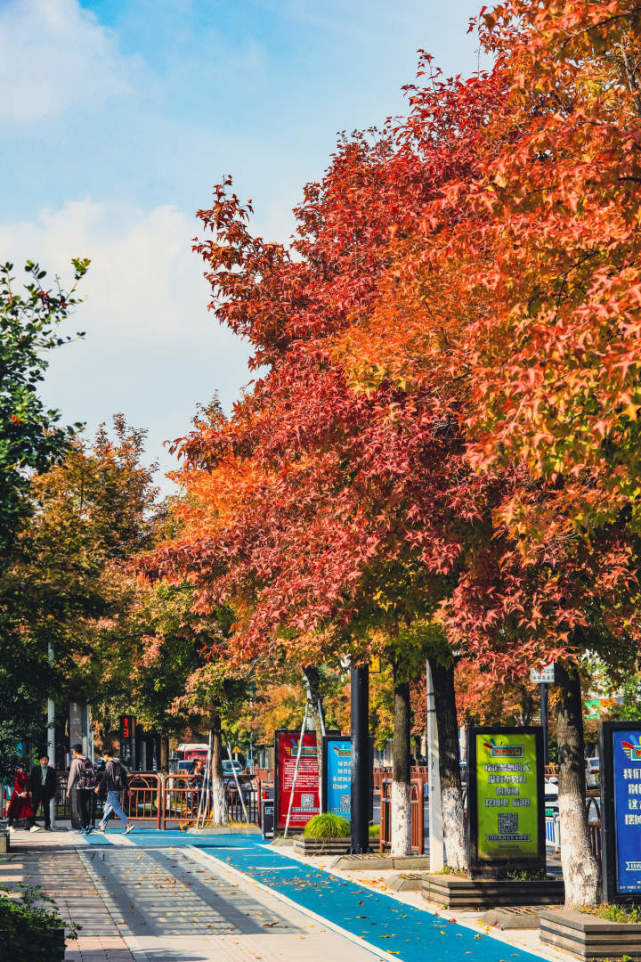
{"points": [[403, 931]]}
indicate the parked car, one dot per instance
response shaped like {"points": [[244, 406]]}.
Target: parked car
{"points": [[230, 767], [551, 801], [593, 772]]}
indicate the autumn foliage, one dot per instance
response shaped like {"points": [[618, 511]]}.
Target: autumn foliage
{"points": [[441, 440]]}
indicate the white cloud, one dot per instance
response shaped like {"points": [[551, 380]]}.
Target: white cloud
{"points": [[144, 283], [54, 55], [151, 350]]}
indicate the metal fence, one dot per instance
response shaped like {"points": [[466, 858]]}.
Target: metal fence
{"points": [[417, 816], [167, 801]]}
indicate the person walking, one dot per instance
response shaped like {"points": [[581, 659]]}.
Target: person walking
{"points": [[80, 784], [43, 788], [196, 786], [111, 787], [20, 802]]}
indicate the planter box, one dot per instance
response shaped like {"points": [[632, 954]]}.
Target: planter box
{"points": [[380, 860], [34, 945], [410, 882], [321, 846], [588, 937], [460, 893]]}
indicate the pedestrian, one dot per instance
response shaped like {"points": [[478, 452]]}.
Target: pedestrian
{"points": [[196, 786], [43, 788], [80, 784], [111, 787], [20, 803]]}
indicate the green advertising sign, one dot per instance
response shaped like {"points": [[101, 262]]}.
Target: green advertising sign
{"points": [[506, 804]]}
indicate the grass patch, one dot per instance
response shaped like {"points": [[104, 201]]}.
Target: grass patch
{"points": [[614, 913], [526, 875], [374, 831], [327, 826]]}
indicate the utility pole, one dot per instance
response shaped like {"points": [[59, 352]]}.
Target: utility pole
{"points": [[543, 688], [51, 736], [437, 861], [361, 758]]}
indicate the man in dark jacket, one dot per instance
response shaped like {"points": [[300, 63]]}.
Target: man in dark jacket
{"points": [[43, 788], [81, 782]]}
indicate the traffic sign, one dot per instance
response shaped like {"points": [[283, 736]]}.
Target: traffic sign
{"points": [[545, 675]]}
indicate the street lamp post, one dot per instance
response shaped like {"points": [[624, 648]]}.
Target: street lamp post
{"points": [[51, 736], [361, 758]]}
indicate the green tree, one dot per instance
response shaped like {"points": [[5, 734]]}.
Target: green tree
{"points": [[31, 438], [84, 517]]}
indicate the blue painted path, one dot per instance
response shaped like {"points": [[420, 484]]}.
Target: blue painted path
{"points": [[409, 933]]}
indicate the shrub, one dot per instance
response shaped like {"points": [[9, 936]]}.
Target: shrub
{"points": [[615, 913], [25, 920], [327, 826]]}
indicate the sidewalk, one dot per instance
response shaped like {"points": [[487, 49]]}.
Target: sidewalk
{"points": [[52, 860], [163, 905], [175, 897]]}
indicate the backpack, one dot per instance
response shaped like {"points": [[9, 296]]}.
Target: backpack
{"points": [[119, 777], [87, 778]]}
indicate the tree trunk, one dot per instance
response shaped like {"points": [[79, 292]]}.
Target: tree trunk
{"points": [[401, 824], [580, 869], [218, 801], [312, 684], [449, 765], [164, 753]]}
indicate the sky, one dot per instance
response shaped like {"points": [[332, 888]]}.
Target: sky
{"points": [[118, 116]]}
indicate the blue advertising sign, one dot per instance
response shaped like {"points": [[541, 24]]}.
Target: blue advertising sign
{"points": [[338, 776], [626, 770]]}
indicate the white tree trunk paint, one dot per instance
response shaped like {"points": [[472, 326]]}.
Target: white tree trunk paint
{"points": [[401, 824], [453, 829], [218, 799], [580, 870], [218, 806], [437, 861]]}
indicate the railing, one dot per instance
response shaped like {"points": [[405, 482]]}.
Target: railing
{"points": [[63, 804], [382, 774], [385, 839], [142, 800], [416, 816], [417, 824], [593, 813], [180, 800], [250, 790]]}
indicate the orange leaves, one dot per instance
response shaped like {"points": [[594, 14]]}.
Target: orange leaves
{"points": [[447, 423]]}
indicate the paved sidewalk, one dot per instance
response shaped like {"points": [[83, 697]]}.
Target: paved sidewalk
{"points": [[163, 904], [52, 860]]}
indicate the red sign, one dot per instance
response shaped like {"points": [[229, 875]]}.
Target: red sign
{"points": [[192, 753], [306, 802]]}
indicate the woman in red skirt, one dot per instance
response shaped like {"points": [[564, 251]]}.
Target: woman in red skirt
{"points": [[20, 804]]}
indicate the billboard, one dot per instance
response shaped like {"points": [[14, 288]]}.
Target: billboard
{"points": [[337, 775], [621, 810], [306, 791], [506, 798]]}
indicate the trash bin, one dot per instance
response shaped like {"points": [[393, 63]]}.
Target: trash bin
{"points": [[267, 811]]}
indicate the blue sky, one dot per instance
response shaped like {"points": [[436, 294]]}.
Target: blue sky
{"points": [[121, 116]]}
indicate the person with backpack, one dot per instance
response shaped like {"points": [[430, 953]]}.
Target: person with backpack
{"points": [[80, 785], [111, 787]]}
